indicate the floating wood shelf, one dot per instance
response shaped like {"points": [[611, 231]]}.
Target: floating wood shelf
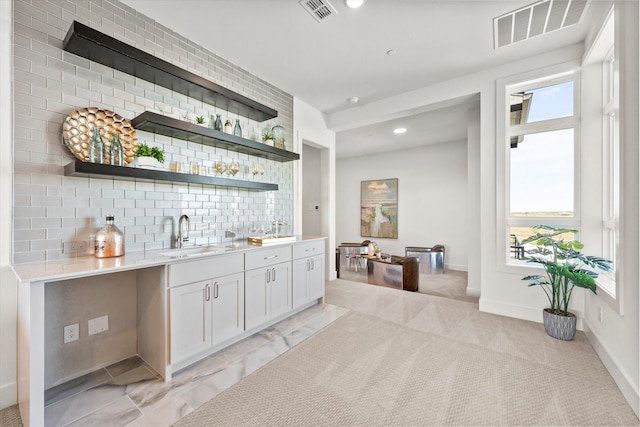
{"points": [[180, 129], [103, 49], [97, 170]]}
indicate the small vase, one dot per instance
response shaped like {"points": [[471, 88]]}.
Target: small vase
{"points": [[559, 327], [227, 127], [96, 148], [237, 130], [217, 125], [116, 152]]}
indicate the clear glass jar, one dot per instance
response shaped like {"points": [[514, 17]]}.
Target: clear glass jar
{"points": [[278, 136], [109, 240]]}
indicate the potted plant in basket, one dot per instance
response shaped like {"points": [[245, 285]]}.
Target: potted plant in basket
{"points": [[148, 157], [565, 266]]}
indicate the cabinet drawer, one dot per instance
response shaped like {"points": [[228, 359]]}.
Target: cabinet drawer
{"points": [[263, 257], [205, 268], [307, 249]]}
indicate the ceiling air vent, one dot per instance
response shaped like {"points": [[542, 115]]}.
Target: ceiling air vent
{"points": [[319, 9], [536, 19]]}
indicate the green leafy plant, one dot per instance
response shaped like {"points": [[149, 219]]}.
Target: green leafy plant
{"points": [[200, 120], [565, 266], [267, 135], [144, 150]]}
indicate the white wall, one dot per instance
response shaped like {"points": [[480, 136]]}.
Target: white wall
{"points": [[309, 127], [8, 290], [615, 336], [432, 198], [311, 191], [502, 291]]}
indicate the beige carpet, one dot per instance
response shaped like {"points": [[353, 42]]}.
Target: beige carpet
{"points": [[451, 284], [10, 417], [366, 370]]}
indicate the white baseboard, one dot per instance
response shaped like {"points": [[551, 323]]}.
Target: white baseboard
{"points": [[474, 293], [624, 383], [455, 267], [518, 312], [8, 395]]}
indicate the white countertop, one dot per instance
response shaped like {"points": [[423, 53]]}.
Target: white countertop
{"points": [[89, 265]]}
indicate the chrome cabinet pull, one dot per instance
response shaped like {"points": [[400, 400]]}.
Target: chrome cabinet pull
{"points": [[271, 257], [273, 271], [268, 276], [207, 292], [215, 290]]}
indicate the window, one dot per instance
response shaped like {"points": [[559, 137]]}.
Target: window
{"points": [[541, 140], [610, 169]]}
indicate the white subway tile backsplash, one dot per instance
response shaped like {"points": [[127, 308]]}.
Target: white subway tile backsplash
{"points": [[50, 83]]}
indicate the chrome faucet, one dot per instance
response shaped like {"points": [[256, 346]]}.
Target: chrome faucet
{"points": [[183, 237]]}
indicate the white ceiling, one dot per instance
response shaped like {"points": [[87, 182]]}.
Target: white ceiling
{"points": [[345, 55]]}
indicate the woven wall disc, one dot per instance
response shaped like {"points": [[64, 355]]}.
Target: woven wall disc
{"points": [[77, 130]]}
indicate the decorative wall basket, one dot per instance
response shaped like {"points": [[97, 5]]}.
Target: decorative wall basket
{"points": [[77, 130]]}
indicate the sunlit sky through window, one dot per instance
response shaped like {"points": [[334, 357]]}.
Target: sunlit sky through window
{"points": [[542, 169]]}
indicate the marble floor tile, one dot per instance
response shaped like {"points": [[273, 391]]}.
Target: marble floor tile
{"points": [[131, 393], [75, 386], [82, 404], [121, 412]]}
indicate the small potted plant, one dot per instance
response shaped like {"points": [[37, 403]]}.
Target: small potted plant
{"points": [[200, 120], [148, 157], [565, 266], [267, 138]]}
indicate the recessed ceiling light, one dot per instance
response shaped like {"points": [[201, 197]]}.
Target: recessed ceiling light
{"points": [[353, 99], [399, 130], [391, 52], [353, 4]]}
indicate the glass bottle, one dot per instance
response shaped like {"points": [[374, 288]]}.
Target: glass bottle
{"points": [[237, 130], [109, 240], [116, 152], [227, 127], [96, 147], [217, 125]]}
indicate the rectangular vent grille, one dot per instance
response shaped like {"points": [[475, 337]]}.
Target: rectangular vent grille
{"points": [[319, 9], [536, 19]]}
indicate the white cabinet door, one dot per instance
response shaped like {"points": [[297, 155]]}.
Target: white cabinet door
{"points": [[256, 310], [279, 289], [308, 280], [300, 288], [228, 307], [190, 307], [315, 280], [267, 293]]}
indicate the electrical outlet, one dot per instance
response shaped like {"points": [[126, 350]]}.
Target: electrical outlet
{"points": [[97, 325], [74, 247], [71, 333]]}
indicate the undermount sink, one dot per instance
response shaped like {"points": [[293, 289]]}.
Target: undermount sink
{"points": [[194, 251]]}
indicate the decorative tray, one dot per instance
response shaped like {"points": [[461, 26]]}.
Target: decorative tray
{"points": [[77, 130], [270, 239]]}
